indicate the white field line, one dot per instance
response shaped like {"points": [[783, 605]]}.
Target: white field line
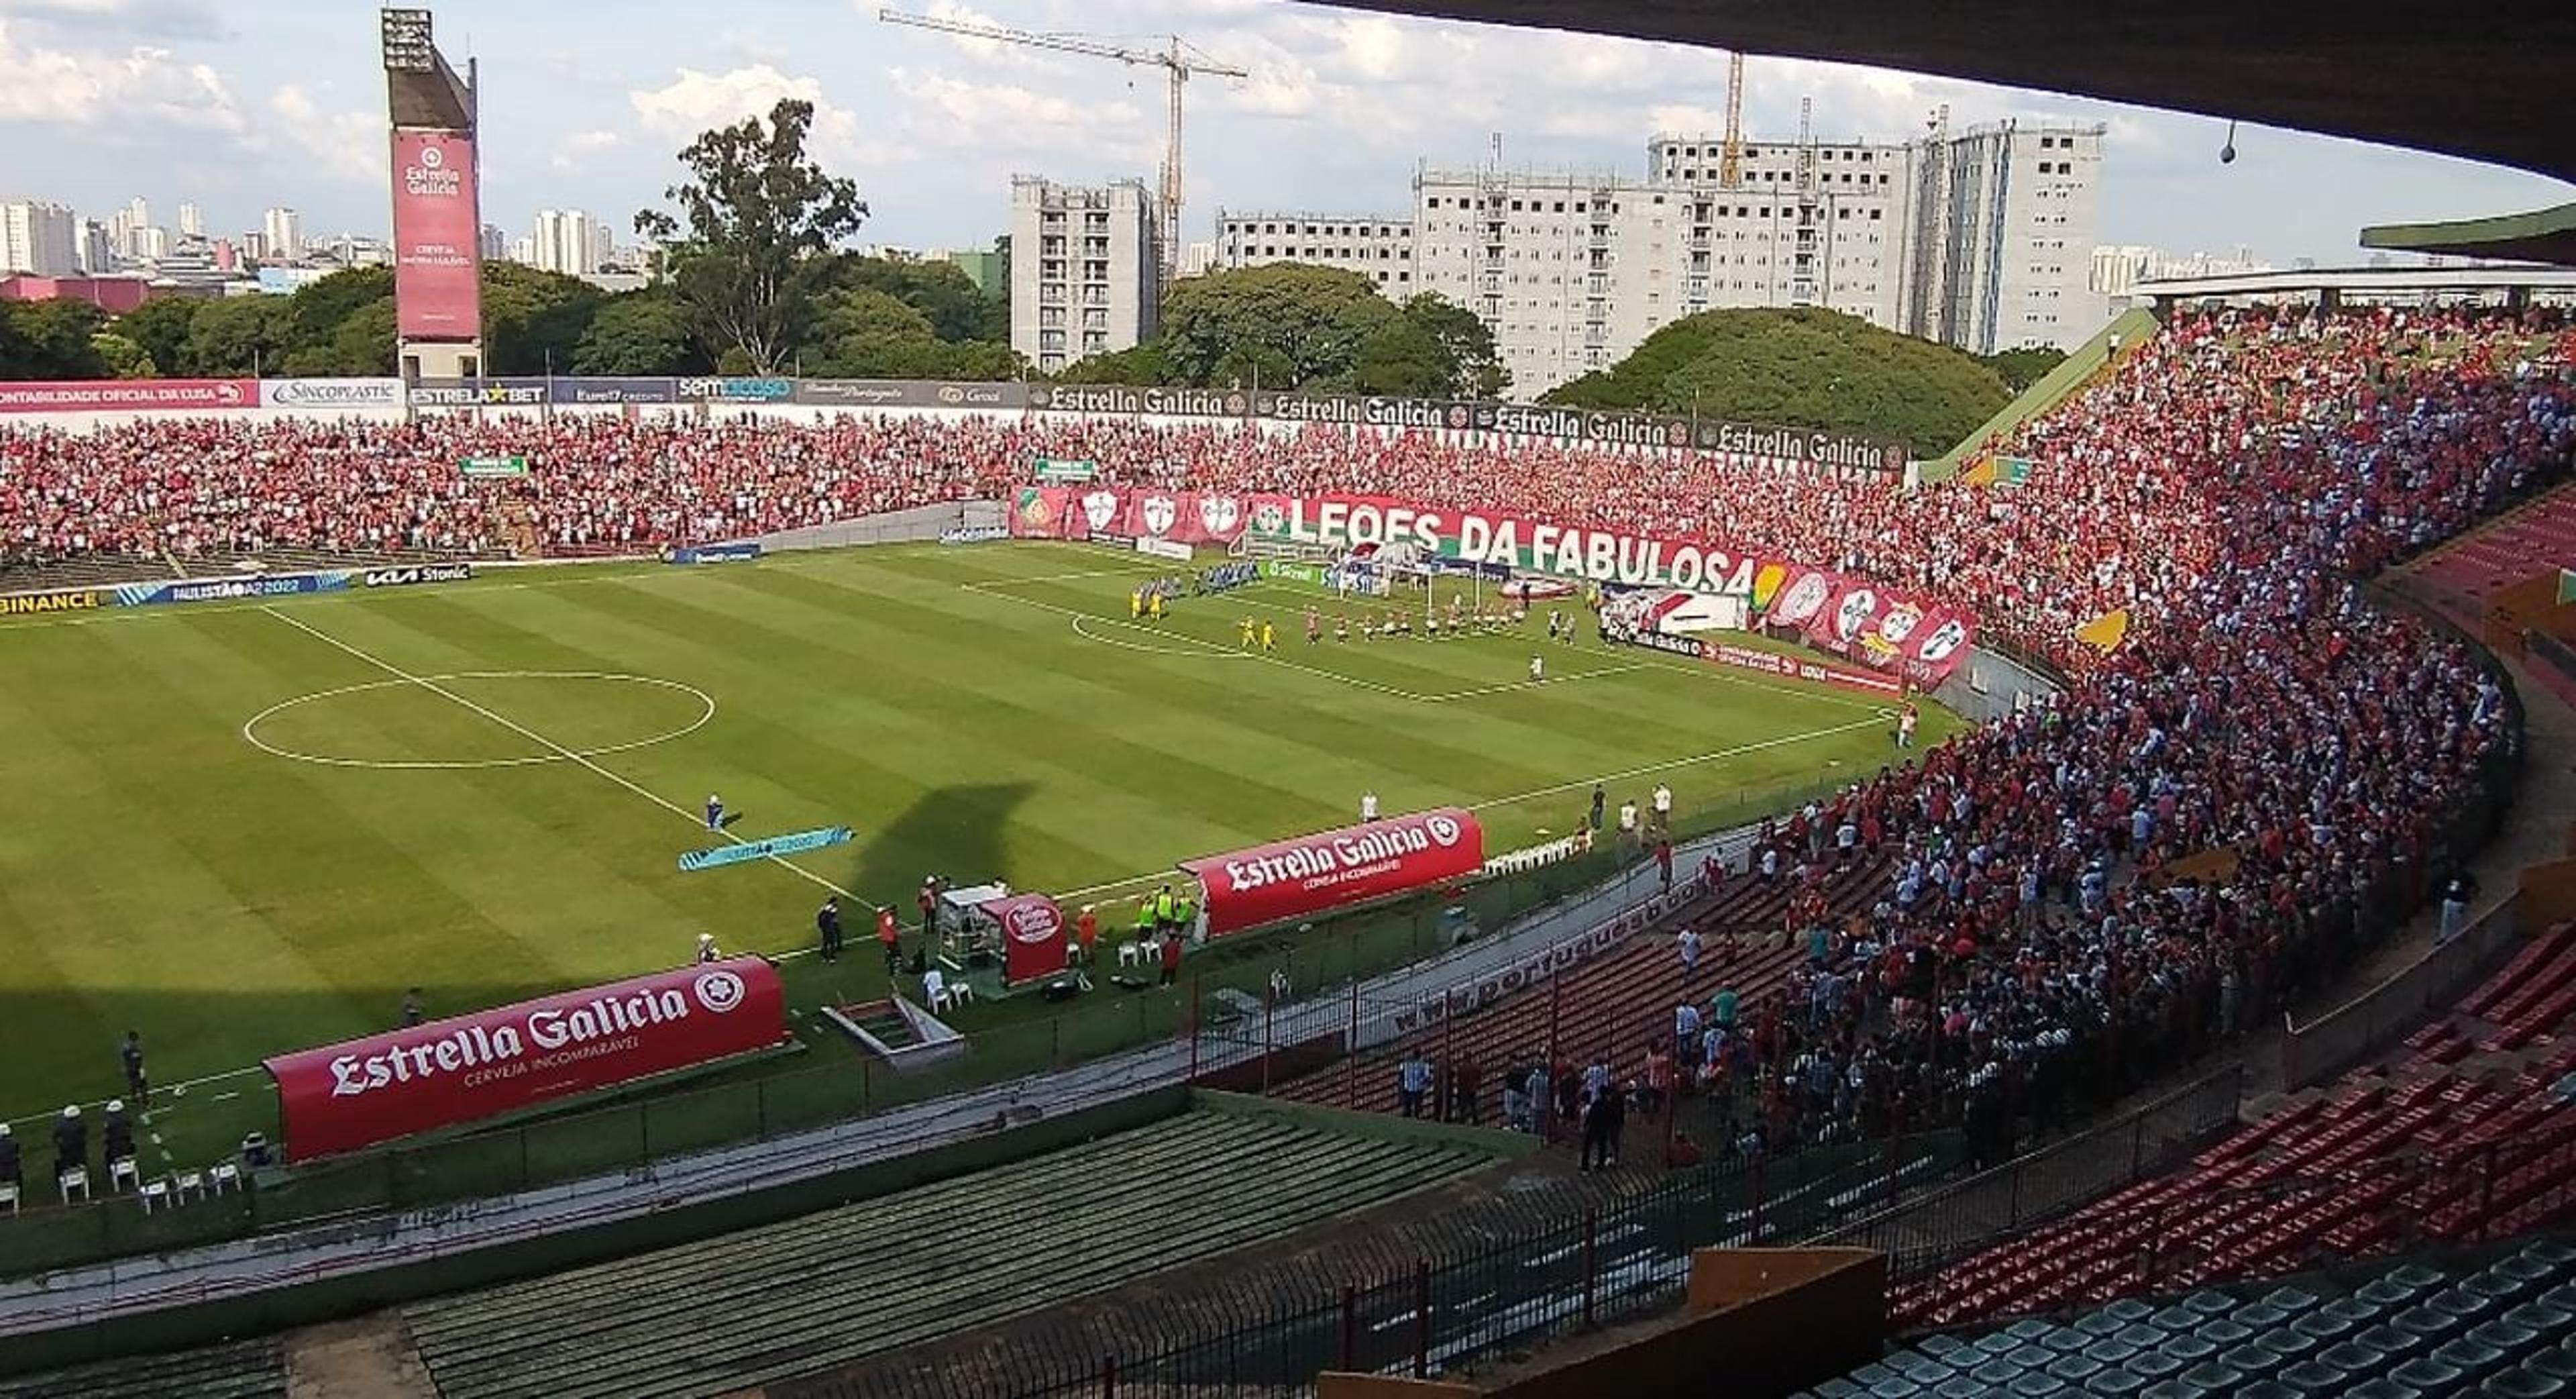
{"points": [[1720, 755], [557, 749], [1532, 684]]}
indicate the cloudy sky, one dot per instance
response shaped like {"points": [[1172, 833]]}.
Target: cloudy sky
{"points": [[242, 104]]}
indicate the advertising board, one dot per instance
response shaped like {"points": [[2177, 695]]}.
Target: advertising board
{"points": [[438, 291], [1313, 874], [358, 1093]]}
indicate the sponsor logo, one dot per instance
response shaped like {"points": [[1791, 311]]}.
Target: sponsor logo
{"points": [[834, 391], [429, 177], [719, 990], [978, 534], [478, 1049], [423, 573], [1033, 922], [140, 394], [716, 553], [66, 600], [334, 393], [739, 390], [615, 390], [478, 395], [1443, 829]]}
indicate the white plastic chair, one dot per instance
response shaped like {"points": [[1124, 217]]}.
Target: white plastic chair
{"points": [[121, 1174], [9, 1197], [189, 1183], [226, 1176], [157, 1192], [76, 1178]]}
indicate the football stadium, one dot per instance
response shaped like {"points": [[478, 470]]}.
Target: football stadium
{"points": [[1278, 858]]}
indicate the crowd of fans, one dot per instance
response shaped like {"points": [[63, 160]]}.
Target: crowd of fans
{"points": [[2225, 486]]}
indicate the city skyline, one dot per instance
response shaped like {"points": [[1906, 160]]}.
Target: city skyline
{"points": [[1339, 108]]}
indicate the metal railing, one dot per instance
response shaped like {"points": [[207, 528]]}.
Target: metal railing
{"points": [[2382, 1015], [1434, 1297]]}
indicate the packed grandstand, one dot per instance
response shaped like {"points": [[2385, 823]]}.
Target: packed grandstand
{"points": [[2048, 910]]}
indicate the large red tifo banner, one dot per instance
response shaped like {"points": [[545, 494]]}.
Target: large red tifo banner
{"points": [[1901, 633], [129, 395], [1312, 874], [437, 232], [344, 1096]]}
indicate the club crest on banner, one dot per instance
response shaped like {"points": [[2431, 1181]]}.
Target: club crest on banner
{"points": [[1219, 514], [719, 991], [1100, 510], [1159, 513]]}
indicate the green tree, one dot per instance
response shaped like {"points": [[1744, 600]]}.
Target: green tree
{"points": [[1140, 366], [1300, 325], [122, 358], [53, 338], [1401, 358], [532, 320], [755, 219], [638, 332], [863, 333], [238, 335], [941, 291], [317, 308], [2019, 369], [1805, 367], [360, 346], [1475, 367], [159, 327]]}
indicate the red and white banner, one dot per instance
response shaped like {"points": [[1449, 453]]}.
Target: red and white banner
{"points": [[1795, 668], [341, 1097], [1032, 936], [1885, 629], [1312, 874], [438, 292], [129, 396]]}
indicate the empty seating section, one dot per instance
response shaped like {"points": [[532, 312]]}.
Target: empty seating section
{"points": [[789, 1299], [1613, 1007], [2536, 539], [239, 1370], [2506, 1329], [2468, 1136]]}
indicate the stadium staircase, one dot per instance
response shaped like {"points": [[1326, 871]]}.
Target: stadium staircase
{"points": [[2463, 576], [886, 1024], [771, 1303], [2092, 360], [1614, 1007], [2469, 1135], [2412, 1332]]}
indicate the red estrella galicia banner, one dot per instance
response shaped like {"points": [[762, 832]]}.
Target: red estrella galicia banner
{"points": [[1312, 874], [438, 293], [344, 1096], [130, 395], [1032, 935]]}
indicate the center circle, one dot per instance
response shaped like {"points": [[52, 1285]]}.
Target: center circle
{"points": [[468, 707]]}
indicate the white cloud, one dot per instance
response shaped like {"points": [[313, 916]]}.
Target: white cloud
{"points": [[347, 145], [144, 83], [695, 101], [575, 151], [956, 114]]}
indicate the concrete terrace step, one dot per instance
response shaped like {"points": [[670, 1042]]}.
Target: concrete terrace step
{"points": [[244, 1370], [845, 1284]]}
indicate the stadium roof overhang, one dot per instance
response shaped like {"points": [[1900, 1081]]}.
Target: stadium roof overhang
{"points": [[2490, 84], [2358, 282], [2543, 235]]}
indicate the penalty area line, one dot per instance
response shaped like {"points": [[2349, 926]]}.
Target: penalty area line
{"points": [[557, 749]]}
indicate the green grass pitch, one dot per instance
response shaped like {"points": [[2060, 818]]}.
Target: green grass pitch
{"points": [[248, 828]]}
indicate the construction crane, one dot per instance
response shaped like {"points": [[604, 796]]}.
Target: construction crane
{"points": [[1730, 170], [1176, 59]]}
